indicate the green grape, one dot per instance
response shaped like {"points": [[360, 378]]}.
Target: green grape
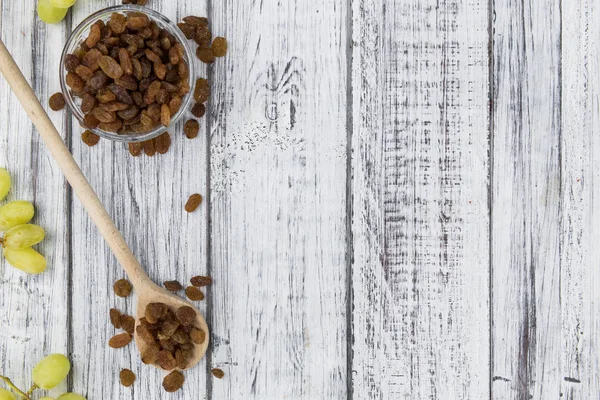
{"points": [[51, 371], [70, 396], [6, 395], [62, 3], [50, 14], [27, 260], [4, 185], [45, 398], [15, 213], [22, 236]]}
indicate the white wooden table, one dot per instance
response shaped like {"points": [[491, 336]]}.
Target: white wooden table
{"points": [[401, 203]]}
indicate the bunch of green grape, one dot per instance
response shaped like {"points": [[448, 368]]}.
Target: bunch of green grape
{"points": [[53, 11], [47, 374], [19, 235]]}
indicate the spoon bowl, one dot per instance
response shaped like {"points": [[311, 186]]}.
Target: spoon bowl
{"points": [[148, 293]]}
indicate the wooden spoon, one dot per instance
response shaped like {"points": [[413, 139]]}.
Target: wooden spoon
{"points": [[147, 291]]}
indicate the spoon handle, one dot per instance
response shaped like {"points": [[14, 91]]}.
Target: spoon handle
{"points": [[69, 167]]}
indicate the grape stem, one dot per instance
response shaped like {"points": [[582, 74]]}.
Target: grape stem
{"points": [[16, 389], [32, 389]]}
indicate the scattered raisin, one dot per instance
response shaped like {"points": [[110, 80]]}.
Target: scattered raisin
{"points": [[218, 373], [136, 148], [200, 281], [206, 55], [191, 128], [90, 138], [194, 294], [202, 91], [57, 102], [115, 318], [173, 382], [120, 340], [193, 202], [122, 288], [127, 323], [150, 148], [127, 377], [196, 21], [203, 36], [219, 47], [198, 110], [162, 143], [188, 30], [186, 315], [173, 286]]}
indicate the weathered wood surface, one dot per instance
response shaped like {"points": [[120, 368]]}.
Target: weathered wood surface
{"points": [[420, 216], [399, 203]]}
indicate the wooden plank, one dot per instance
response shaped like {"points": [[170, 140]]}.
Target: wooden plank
{"points": [[145, 196], [278, 206], [526, 200], [580, 272], [420, 204], [34, 308]]}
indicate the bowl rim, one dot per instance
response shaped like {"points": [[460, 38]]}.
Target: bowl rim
{"points": [[76, 37]]}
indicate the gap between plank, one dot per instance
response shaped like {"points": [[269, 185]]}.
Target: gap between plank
{"points": [[491, 191]]}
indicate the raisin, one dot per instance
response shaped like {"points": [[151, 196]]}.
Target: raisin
{"points": [[120, 340], [155, 311], [152, 56], [90, 138], [113, 126], [137, 68], [135, 149], [94, 36], [193, 202], [103, 115], [198, 110], [98, 81], [196, 21], [115, 316], [180, 358], [117, 23], [105, 96], [90, 122], [144, 333], [128, 82], [191, 128], [121, 93], [166, 360], [173, 382], [153, 112], [218, 373], [127, 377], [129, 113], [165, 115], [172, 77], [163, 142], [137, 21], [71, 62], [149, 147], [122, 288], [203, 37], [202, 91], [114, 106], [182, 69], [175, 105], [125, 61], [166, 344], [57, 102], [110, 67], [150, 354], [198, 336], [160, 70], [173, 286], [194, 294], [186, 315], [75, 82], [168, 328], [219, 47], [173, 56], [92, 59], [127, 323], [84, 72], [200, 281]]}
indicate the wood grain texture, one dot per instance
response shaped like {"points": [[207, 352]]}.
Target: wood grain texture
{"points": [[34, 308], [278, 200], [146, 197], [420, 205], [526, 200], [580, 271]]}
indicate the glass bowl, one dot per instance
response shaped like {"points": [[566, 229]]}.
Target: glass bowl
{"points": [[80, 34]]}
